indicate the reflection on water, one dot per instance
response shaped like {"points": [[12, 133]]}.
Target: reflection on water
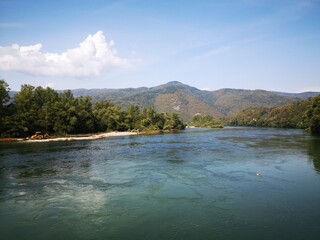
{"points": [[232, 183], [314, 152]]}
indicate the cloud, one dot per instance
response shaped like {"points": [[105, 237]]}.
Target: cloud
{"points": [[92, 56], [310, 89], [49, 85], [205, 89]]}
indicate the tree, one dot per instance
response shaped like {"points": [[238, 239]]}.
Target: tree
{"points": [[152, 120], [85, 118], [4, 99], [65, 114], [26, 116], [4, 95], [48, 110], [177, 122], [304, 114], [205, 121], [102, 112], [312, 116], [132, 118], [37, 109]]}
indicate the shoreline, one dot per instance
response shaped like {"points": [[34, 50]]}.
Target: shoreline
{"points": [[71, 138], [93, 136]]}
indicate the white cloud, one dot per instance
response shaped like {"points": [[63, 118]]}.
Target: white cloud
{"points": [[310, 89], [92, 56], [205, 89], [49, 85]]}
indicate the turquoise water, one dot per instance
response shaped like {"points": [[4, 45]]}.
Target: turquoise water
{"points": [[232, 183]]}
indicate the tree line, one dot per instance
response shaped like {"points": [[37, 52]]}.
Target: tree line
{"points": [[44, 109], [303, 114], [205, 121]]}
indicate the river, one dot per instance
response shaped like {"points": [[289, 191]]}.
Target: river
{"points": [[231, 183]]}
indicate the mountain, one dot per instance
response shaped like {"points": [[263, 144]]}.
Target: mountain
{"points": [[188, 101]]}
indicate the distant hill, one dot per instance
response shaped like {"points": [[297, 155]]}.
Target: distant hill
{"points": [[188, 101], [304, 114]]}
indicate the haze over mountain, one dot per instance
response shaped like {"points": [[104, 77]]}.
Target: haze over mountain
{"points": [[188, 100]]}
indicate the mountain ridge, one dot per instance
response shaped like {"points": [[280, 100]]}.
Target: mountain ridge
{"points": [[177, 83], [187, 100]]}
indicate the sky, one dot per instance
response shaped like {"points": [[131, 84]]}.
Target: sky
{"points": [[244, 44]]}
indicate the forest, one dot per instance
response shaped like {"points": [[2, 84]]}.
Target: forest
{"points": [[205, 121], [303, 114], [44, 109]]}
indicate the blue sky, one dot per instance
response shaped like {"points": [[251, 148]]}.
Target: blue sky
{"points": [[246, 44]]}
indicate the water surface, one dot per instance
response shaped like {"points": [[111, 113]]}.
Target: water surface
{"points": [[232, 183]]}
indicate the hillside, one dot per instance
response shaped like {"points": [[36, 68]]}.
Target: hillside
{"points": [[187, 100], [303, 114]]}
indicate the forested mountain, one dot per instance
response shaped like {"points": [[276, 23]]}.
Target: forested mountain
{"points": [[188, 101]]}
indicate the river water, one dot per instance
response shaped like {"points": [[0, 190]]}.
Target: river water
{"points": [[231, 183]]}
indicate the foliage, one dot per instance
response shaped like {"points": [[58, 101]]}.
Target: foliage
{"points": [[303, 114], [312, 115], [4, 99], [38, 109], [205, 121], [4, 93]]}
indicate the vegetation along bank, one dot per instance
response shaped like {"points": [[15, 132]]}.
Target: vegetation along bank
{"points": [[303, 114], [37, 109]]}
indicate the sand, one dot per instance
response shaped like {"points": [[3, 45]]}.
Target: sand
{"points": [[92, 137]]}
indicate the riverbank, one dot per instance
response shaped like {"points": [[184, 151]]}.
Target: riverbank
{"points": [[91, 137], [87, 136], [72, 138]]}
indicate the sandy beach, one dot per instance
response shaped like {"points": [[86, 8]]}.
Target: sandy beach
{"points": [[92, 137]]}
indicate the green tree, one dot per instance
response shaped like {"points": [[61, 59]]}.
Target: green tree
{"points": [[38, 109], [109, 117], [205, 121], [151, 120], [65, 117], [304, 114], [4, 108], [133, 117], [44, 100], [177, 122], [85, 119], [34, 110], [4, 95], [312, 116], [26, 116]]}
